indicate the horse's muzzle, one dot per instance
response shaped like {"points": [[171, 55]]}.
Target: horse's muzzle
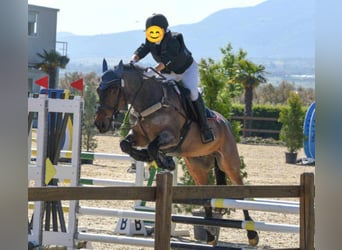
{"points": [[102, 123]]}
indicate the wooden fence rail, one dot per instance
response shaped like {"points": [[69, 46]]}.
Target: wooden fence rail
{"points": [[251, 118], [164, 194], [180, 193]]}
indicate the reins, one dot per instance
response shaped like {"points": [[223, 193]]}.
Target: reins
{"points": [[162, 103]]}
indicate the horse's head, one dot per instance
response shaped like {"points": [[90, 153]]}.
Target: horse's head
{"points": [[111, 98]]}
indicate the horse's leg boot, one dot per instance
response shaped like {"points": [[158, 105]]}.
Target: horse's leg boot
{"points": [[139, 155], [207, 135], [165, 162]]}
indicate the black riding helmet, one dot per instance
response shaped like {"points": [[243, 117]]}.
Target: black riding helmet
{"points": [[157, 20]]}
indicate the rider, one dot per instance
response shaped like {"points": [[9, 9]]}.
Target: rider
{"points": [[174, 62]]}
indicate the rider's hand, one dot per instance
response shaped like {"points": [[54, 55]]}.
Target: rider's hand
{"points": [[135, 58], [149, 73], [160, 66]]}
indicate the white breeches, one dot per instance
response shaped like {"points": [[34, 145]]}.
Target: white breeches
{"points": [[189, 78]]}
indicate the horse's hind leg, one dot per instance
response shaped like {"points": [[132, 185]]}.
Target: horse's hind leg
{"points": [[252, 235], [229, 163], [199, 168]]}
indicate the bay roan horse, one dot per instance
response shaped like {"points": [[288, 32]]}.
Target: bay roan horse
{"points": [[160, 128]]}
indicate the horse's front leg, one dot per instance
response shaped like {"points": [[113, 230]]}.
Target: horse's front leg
{"points": [[163, 161], [126, 146]]}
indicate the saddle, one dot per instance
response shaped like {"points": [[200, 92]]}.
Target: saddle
{"points": [[184, 94]]}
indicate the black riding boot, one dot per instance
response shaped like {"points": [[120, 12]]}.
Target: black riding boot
{"points": [[207, 135]]}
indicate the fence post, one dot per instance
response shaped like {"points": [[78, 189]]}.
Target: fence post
{"points": [[162, 229], [307, 216]]}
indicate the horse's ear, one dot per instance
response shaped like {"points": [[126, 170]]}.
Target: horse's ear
{"points": [[104, 65], [119, 68]]}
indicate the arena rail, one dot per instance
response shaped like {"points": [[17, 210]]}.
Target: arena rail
{"points": [[164, 194]]}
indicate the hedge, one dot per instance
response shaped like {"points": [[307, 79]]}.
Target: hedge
{"points": [[261, 111]]}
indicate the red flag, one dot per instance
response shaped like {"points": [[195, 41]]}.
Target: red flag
{"points": [[44, 82], [78, 84]]}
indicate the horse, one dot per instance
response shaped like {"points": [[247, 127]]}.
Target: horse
{"points": [[161, 127]]}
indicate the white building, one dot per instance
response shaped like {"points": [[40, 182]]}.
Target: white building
{"points": [[42, 32]]}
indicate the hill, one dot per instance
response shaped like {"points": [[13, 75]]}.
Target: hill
{"points": [[271, 31]]}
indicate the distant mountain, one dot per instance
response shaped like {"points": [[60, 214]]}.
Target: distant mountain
{"points": [[275, 29]]}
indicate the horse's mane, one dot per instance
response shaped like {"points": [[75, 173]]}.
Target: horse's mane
{"points": [[135, 68], [130, 66]]}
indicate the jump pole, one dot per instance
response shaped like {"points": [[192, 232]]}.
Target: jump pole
{"points": [[115, 239], [135, 241], [104, 182], [267, 206], [198, 246], [239, 224], [92, 155], [258, 205], [125, 240], [127, 214]]}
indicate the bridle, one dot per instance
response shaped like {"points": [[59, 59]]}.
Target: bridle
{"points": [[110, 80], [105, 86]]}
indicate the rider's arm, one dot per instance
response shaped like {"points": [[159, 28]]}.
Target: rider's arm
{"points": [[142, 51]]}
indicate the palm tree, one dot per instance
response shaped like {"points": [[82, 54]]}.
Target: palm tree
{"points": [[250, 76], [52, 60]]}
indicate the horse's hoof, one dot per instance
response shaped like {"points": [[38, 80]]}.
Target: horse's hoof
{"points": [[125, 146], [211, 240], [254, 241], [212, 243]]}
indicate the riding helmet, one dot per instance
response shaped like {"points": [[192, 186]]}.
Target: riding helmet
{"points": [[157, 20]]}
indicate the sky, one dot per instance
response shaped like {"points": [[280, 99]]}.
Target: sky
{"points": [[93, 17]]}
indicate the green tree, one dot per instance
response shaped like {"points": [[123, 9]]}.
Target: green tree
{"points": [[292, 118], [217, 95], [229, 66], [283, 91], [91, 80], [64, 82], [50, 63], [250, 75], [266, 94], [212, 82], [278, 94], [307, 95], [88, 127]]}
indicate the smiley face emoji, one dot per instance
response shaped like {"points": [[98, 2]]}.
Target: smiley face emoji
{"points": [[154, 34]]}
